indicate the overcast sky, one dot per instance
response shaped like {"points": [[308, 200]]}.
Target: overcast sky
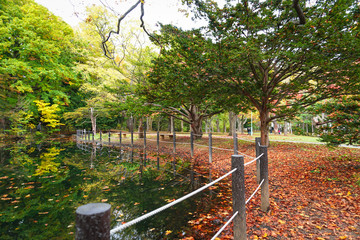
{"points": [[164, 11]]}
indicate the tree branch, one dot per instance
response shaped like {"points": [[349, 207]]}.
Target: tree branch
{"points": [[299, 12]]}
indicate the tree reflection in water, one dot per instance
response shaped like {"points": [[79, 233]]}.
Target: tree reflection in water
{"points": [[42, 185]]}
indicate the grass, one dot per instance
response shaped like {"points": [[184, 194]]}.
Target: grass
{"points": [[282, 137]]}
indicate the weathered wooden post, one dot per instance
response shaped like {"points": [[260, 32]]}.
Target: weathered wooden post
{"points": [[120, 141], [264, 174], [174, 142], [100, 138], [235, 143], [145, 143], [210, 147], [238, 197], [158, 148], [192, 143], [257, 150], [132, 138], [93, 222]]}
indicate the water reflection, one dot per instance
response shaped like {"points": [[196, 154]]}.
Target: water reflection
{"points": [[41, 185]]}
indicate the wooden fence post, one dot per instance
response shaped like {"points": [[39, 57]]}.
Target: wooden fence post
{"points": [[264, 174], [210, 147], [238, 195], [192, 143], [235, 143], [120, 141], [100, 138], [174, 141], [132, 138], [93, 221], [145, 142], [158, 148], [257, 152], [109, 138]]}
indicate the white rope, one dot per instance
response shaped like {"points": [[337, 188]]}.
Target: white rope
{"points": [[253, 160], [222, 229], [200, 145], [257, 189], [139, 219], [225, 149]]}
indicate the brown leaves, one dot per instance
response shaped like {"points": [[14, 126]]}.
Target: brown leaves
{"points": [[313, 194]]}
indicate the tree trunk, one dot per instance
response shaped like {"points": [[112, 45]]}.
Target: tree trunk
{"points": [[182, 126], [93, 120], [141, 128], [218, 124], [232, 121], [264, 126], [196, 122], [169, 124], [224, 126]]}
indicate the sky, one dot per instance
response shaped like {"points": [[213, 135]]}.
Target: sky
{"points": [[164, 11]]}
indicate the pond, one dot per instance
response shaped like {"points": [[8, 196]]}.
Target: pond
{"points": [[41, 185]]}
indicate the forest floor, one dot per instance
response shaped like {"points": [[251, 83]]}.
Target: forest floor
{"points": [[314, 192]]}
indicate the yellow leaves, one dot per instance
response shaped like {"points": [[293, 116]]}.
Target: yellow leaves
{"points": [[136, 203], [47, 164], [168, 232], [343, 237], [48, 113], [104, 200], [281, 222]]}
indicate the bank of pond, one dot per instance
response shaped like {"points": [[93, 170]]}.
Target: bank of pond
{"points": [[43, 184]]}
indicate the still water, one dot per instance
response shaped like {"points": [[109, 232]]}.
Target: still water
{"points": [[41, 185]]}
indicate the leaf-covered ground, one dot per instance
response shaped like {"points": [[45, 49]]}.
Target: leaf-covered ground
{"points": [[314, 192]]}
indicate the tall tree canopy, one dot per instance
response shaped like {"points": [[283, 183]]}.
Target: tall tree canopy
{"points": [[37, 55], [283, 55], [180, 82]]}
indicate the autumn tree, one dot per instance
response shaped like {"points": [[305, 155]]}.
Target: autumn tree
{"points": [[341, 124], [284, 55], [180, 80], [37, 55]]}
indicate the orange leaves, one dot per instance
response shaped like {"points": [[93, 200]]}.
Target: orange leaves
{"points": [[312, 193]]}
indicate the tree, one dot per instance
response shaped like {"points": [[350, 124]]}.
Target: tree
{"points": [[110, 82], [342, 122], [38, 52], [179, 80], [281, 64]]}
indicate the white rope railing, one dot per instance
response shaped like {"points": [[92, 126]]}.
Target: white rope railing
{"points": [[248, 163], [226, 224], [232, 218], [139, 219], [257, 189]]}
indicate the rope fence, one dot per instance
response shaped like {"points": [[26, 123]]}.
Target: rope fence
{"points": [[238, 175]]}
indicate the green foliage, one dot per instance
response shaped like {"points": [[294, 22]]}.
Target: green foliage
{"points": [[36, 59], [182, 79], [342, 122], [278, 64]]}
